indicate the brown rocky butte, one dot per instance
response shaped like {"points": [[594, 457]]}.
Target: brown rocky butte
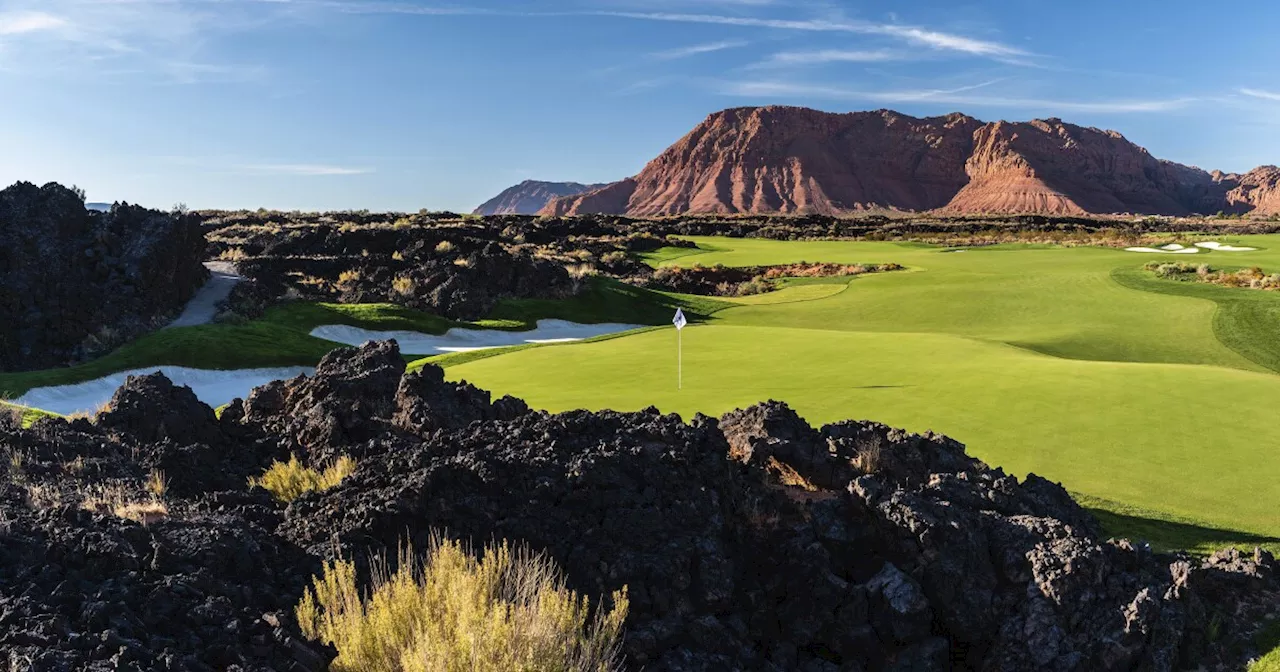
{"points": [[797, 160]]}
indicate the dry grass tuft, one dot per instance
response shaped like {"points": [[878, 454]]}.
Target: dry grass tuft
{"points": [[444, 247], [870, 456], [453, 612], [233, 254], [114, 500], [157, 484], [403, 285], [288, 481], [347, 278]]}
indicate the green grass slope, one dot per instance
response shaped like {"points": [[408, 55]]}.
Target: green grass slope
{"points": [[1151, 403], [282, 336]]}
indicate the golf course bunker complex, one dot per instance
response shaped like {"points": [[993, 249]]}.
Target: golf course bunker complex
{"points": [[1171, 248], [1174, 248], [465, 340], [1219, 247], [214, 388]]}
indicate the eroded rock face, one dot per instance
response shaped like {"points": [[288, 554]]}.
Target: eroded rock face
{"points": [[796, 160], [1256, 192], [75, 283], [1053, 167], [751, 542]]}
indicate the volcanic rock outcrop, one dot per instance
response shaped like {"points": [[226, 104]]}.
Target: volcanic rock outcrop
{"points": [[796, 160], [530, 196], [76, 282], [753, 542], [458, 270]]}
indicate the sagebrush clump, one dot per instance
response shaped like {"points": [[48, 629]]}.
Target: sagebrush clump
{"points": [[451, 611], [288, 481]]}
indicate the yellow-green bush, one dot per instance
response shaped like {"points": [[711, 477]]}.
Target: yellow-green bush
{"points": [[288, 480], [450, 611]]}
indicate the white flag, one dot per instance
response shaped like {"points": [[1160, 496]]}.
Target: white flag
{"points": [[679, 320]]}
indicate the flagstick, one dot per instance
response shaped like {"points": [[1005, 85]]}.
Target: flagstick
{"points": [[679, 359]]}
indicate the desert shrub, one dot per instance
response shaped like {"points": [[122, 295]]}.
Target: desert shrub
{"points": [[444, 247], [756, 285], [615, 257], [402, 285], [157, 484], [462, 262], [347, 278], [115, 500], [397, 256], [510, 610], [287, 481], [580, 271], [233, 254]]}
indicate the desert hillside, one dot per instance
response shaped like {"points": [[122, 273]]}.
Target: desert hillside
{"points": [[797, 160]]}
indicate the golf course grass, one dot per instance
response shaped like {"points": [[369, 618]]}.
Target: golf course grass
{"points": [[282, 336], [1150, 399]]}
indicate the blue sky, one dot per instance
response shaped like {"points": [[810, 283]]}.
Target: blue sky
{"points": [[320, 104]]}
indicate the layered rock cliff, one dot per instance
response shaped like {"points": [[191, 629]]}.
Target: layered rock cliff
{"points": [[797, 160]]}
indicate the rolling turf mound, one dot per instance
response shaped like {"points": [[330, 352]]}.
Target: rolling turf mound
{"points": [[753, 542]]}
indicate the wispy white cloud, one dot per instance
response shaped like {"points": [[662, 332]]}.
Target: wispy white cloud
{"points": [[955, 96], [911, 34], [784, 58], [1259, 93], [696, 49], [304, 169], [21, 22]]}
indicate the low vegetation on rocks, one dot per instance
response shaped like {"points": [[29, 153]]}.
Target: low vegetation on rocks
{"points": [[720, 280], [287, 481], [451, 611], [1252, 278]]}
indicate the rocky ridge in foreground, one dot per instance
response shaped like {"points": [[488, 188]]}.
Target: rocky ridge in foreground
{"points": [[750, 542]]}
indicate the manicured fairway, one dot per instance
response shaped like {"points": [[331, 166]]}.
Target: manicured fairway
{"points": [[1037, 358]]}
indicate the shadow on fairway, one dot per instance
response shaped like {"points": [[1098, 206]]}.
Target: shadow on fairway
{"points": [[880, 387], [1165, 536]]}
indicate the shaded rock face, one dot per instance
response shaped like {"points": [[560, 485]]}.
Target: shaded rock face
{"points": [[530, 196], [1256, 192], [1058, 168], [75, 283], [797, 160], [753, 542]]}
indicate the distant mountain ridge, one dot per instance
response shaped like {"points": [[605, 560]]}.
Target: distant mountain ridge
{"points": [[798, 160], [530, 196]]}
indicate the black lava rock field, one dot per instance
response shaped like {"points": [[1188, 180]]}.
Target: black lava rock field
{"points": [[749, 542]]}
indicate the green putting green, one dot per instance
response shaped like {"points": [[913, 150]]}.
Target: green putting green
{"points": [[1142, 394]]}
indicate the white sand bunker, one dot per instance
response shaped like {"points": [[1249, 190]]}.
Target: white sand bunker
{"points": [[214, 388], [1219, 247], [465, 340], [1171, 248]]}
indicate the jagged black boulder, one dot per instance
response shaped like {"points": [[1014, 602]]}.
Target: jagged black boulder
{"points": [[75, 283]]}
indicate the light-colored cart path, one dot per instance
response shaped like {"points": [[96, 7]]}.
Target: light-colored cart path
{"points": [[204, 305]]}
